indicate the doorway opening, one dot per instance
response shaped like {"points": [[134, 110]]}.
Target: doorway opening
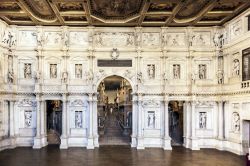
{"points": [[176, 122], [54, 121], [114, 111]]}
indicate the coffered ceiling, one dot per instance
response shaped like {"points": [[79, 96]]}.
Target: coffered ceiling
{"points": [[121, 12]]}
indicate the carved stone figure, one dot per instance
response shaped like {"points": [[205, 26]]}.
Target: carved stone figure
{"points": [[65, 77], [151, 119], [39, 38], [151, 71], [236, 67], [128, 74], [203, 120], [100, 74], [78, 119], [235, 122], [27, 71], [165, 76], [10, 77], [202, 71], [220, 76], [27, 118], [78, 70], [38, 76], [53, 70], [191, 39], [176, 71], [89, 76], [9, 38], [216, 39], [65, 39], [139, 77]]}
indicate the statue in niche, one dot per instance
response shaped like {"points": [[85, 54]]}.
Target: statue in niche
{"points": [[78, 119], [89, 76], [165, 39], [216, 39], [151, 71], [10, 77], [202, 71], [236, 122], [139, 77], [53, 70], [65, 77], [151, 119], [27, 118], [27, 71], [236, 67], [203, 120], [78, 70], [176, 71], [39, 38], [220, 76]]}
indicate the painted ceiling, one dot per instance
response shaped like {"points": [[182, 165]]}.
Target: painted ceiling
{"points": [[121, 12]]}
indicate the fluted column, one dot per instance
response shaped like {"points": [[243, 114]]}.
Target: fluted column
{"points": [[140, 138], [64, 136], [167, 139], [90, 144], [134, 120], [221, 121]]}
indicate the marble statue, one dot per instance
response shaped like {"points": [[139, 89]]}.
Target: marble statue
{"points": [[89, 76], [139, 77], [220, 76], [236, 122], [165, 76], [65, 39], [151, 120], [78, 70], [202, 71], [39, 38], [65, 77], [203, 120], [10, 77], [236, 67], [9, 39], [151, 71], [27, 118], [37, 76], [176, 71], [216, 39], [27, 71], [53, 70], [78, 119]]}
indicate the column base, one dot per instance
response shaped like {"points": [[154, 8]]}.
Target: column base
{"points": [[90, 144], [194, 144], [64, 143], [140, 143], [133, 141], [167, 144], [96, 141], [40, 142]]}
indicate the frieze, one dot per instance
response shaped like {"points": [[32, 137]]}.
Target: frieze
{"points": [[151, 103], [151, 39], [78, 103], [78, 39], [114, 39], [26, 103]]}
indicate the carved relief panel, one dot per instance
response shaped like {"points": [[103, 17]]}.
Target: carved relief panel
{"points": [[201, 39], [78, 38], [176, 39], [152, 114], [52, 39], [151, 39], [236, 29], [27, 38]]}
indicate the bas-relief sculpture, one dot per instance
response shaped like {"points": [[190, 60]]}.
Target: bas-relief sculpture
{"points": [[236, 28], [235, 122], [27, 118], [202, 120], [174, 39], [9, 38], [78, 38], [52, 38], [151, 39], [200, 39], [27, 38], [113, 39]]}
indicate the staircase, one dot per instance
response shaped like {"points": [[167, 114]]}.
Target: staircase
{"points": [[53, 137], [113, 133]]}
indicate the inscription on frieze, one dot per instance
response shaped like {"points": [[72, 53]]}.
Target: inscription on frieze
{"points": [[114, 63]]}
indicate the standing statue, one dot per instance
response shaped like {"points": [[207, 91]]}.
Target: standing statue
{"points": [[236, 67], [53, 71], [65, 77], [202, 71], [27, 71], [236, 122], [203, 120], [176, 71], [151, 71], [220, 76], [139, 77]]}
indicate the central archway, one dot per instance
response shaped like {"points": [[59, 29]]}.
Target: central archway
{"points": [[114, 111]]}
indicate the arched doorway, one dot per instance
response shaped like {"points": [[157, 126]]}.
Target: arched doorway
{"points": [[114, 111]]}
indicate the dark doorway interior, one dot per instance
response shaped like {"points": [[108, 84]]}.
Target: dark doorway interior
{"points": [[176, 122], [54, 121]]}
